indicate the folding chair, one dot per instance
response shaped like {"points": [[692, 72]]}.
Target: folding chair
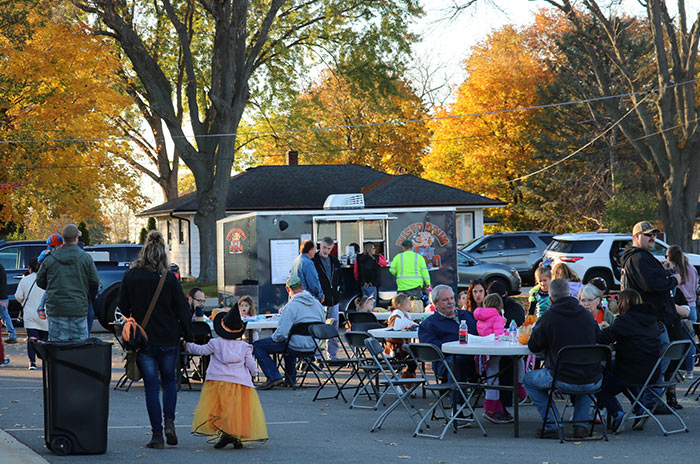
{"points": [[190, 362], [428, 353], [696, 383], [675, 351], [366, 370], [307, 358], [325, 332], [123, 383], [403, 388], [361, 321], [578, 355]]}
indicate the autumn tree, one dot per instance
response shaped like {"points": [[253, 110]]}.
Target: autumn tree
{"points": [[230, 49], [57, 96], [338, 122], [475, 145]]}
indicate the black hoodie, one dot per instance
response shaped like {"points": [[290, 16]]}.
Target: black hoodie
{"points": [[645, 274], [566, 323], [637, 343]]}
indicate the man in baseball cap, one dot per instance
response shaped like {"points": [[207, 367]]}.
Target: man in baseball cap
{"points": [[301, 307], [69, 277], [644, 227]]}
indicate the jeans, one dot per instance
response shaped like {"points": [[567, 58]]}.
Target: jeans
{"points": [[415, 292], [152, 361], [370, 291], [67, 328], [332, 313], [90, 318], [42, 335], [690, 359], [538, 382], [264, 348], [7, 320]]}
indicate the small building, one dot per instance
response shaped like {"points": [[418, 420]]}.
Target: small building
{"points": [[294, 187]]}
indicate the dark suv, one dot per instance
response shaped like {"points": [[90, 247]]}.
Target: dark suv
{"points": [[521, 250], [15, 257]]}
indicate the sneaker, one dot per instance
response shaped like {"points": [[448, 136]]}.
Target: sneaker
{"points": [[639, 423], [617, 423], [495, 417], [10, 341], [5, 362], [507, 417], [271, 384], [580, 431], [689, 375], [32, 367], [548, 433]]}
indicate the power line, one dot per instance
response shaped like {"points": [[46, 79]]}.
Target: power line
{"points": [[364, 125]]}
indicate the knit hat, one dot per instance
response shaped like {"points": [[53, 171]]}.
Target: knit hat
{"points": [[54, 240]]}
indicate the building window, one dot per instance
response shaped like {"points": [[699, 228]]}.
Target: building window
{"points": [[170, 232], [464, 227], [181, 230]]}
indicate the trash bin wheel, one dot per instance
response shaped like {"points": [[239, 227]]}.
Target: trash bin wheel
{"points": [[61, 446]]}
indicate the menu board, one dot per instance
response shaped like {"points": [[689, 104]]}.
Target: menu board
{"points": [[282, 255]]}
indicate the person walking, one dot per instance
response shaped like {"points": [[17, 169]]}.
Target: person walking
{"points": [[69, 277], [169, 320], [30, 297], [229, 406], [411, 271], [4, 305]]}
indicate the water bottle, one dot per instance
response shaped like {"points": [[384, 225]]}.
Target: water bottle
{"points": [[513, 332], [463, 332]]}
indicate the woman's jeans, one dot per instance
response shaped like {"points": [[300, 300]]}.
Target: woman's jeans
{"points": [[152, 361], [42, 335], [690, 359]]}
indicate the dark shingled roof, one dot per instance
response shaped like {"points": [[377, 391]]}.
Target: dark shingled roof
{"points": [[308, 186]]}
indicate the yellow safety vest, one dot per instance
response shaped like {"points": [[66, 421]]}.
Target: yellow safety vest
{"points": [[410, 270]]}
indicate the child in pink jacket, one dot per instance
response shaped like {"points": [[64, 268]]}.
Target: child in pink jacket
{"points": [[489, 320], [228, 406]]}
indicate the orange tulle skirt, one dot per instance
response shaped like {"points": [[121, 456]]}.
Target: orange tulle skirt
{"points": [[226, 407]]}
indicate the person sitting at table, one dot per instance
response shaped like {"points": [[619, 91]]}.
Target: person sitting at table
{"points": [[475, 294], [565, 323], [635, 333], [301, 307], [489, 320], [400, 320], [364, 304], [442, 327], [246, 306]]}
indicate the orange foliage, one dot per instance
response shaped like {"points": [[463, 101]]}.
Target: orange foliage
{"points": [[60, 84]]}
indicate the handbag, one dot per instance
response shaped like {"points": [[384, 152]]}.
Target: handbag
{"points": [[133, 334], [131, 367]]}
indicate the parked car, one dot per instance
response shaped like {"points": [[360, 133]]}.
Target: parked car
{"points": [[598, 254], [522, 250], [126, 253], [471, 268]]}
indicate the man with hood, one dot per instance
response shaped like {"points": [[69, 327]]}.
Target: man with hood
{"points": [[565, 323], [301, 307], [69, 277], [645, 274]]}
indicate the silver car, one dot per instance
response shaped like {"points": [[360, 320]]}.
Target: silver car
{"points": [[470, 268], [522, 250]]}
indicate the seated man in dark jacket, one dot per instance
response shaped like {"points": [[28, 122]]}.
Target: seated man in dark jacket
{"points": [[443, 327], [566, 323], [635, 333]]}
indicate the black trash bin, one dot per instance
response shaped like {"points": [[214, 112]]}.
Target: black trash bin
{"points": [[76, 395]]}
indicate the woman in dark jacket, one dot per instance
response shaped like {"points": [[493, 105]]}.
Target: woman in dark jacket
{"points": [[635, 333], [367, 276], [169, 320]]}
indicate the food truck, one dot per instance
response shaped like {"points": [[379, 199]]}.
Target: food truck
{"points": [[255, 251]]}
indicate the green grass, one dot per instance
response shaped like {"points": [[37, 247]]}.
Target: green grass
{"points": [[209, 288]]}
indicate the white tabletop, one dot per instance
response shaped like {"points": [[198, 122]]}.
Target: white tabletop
{"points": [[267, 323], [384, 315], [386, 333], [493, 348]]}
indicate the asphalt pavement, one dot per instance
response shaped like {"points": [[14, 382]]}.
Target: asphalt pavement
{"points": [[323, 431]]}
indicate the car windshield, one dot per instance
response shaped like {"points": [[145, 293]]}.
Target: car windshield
{"points": [[574, 246], [466, 245], [464, 257]]}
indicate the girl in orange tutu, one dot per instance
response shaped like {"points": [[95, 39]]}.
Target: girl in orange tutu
{"points": [[229, 407]]}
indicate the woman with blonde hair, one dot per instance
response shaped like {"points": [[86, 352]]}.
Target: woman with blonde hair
{"points": [[169, 321]]}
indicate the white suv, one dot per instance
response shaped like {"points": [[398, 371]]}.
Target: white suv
{"points": [[596, 254]]}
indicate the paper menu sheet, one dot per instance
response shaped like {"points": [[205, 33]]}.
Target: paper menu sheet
{"points": [[282, 255]]}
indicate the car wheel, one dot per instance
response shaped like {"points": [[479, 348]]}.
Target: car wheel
{"points": [[605, 275], [491, 280]]}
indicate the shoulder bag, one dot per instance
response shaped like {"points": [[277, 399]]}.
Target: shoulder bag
{"points": [[134, 336]]}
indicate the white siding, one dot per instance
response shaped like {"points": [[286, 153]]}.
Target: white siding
{"points": [[178, 252]]}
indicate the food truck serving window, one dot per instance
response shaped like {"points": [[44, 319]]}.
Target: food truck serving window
{"points": [[360, 229]]}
